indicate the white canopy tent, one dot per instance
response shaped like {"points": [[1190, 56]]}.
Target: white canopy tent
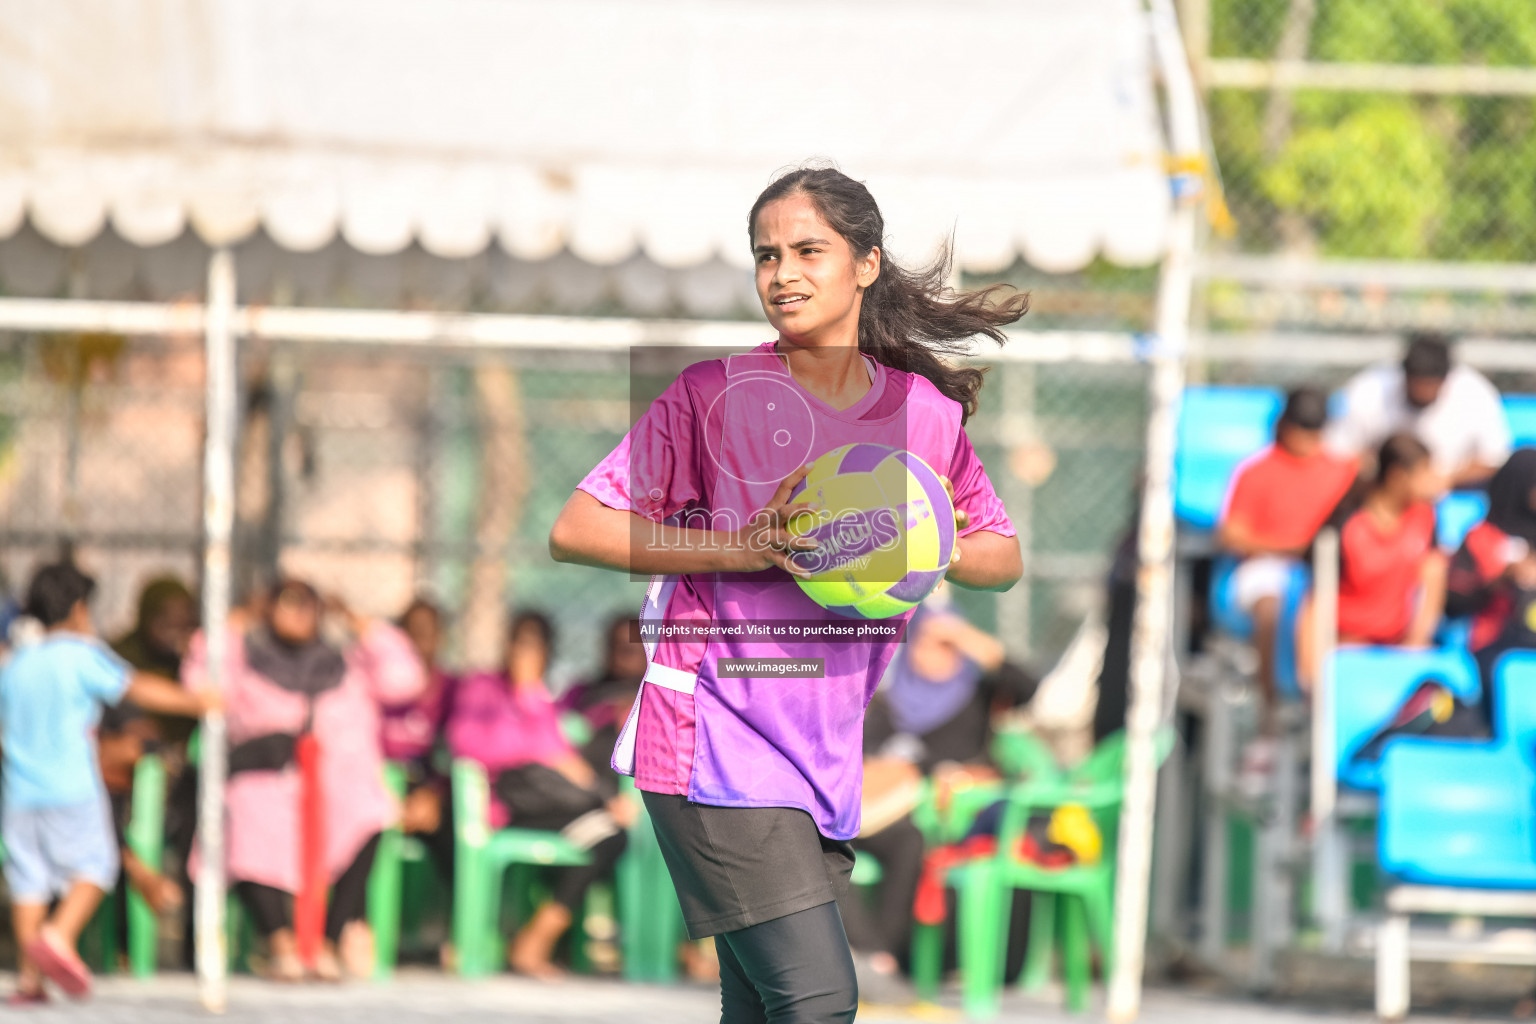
{"points": [[1028, 128], [602, 129]]}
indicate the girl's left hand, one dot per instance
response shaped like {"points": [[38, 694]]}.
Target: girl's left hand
{"points": [[962, 519]]}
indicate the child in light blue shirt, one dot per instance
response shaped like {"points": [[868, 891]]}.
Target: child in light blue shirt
{"points": [[56, 820]]}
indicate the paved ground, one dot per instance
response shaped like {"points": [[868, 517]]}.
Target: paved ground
{"points": [[427, 996]]}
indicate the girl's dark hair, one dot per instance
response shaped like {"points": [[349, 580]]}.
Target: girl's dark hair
{"points": [[291, 587], [55, 591], [1400, 451], [909, 318], [1306, 408], [539, 621], [159, 594], [420, 604]]}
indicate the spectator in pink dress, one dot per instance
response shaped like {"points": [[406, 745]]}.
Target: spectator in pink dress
{"points": [[286, 682], [413, 738], [508, 722]]}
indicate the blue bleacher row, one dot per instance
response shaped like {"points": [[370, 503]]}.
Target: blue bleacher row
{"points": [[1219, 427], [1458, 812]]}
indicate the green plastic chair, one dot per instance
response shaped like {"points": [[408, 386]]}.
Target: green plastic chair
{"points": [[983, 902], [482, 859], [866, 870], [650, 917], [949, 825], [647, 904], [1020, 754], [239, 934], [1074, 903], [386, 885], [146, 838]]}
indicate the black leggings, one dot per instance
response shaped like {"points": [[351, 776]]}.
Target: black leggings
{"points": [[272, 909], [795, 969]]}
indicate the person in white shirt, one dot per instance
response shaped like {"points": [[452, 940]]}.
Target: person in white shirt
{"points": [[1454, 410]]}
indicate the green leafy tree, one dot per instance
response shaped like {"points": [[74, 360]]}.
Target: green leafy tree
{"points": [[1366, 181], [1379, 175]]}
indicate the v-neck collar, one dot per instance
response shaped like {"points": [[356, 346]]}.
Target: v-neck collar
{"points": [[877, 382]]}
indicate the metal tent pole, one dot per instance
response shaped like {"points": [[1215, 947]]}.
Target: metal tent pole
{"points": [[494, 332], [1330, 854], [1154, 581], [218, 523]]}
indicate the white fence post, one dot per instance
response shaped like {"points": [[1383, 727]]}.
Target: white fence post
{"points": [[1330, 853], [1154, 580], [218, 522]]}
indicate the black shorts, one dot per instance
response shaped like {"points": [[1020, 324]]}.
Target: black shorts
{"points": [[734, 867]]}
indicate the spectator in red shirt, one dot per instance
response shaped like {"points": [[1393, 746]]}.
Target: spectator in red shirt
{"points": [[1278, 501], [1391, 575], [1493, 575]]}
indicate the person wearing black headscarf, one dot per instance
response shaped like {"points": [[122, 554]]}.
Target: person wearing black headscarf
{"points": [[1493, 575], [1512, 496], [162, 631], [159, 639]]}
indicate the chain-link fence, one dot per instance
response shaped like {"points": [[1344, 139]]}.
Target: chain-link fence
{"points": [[382, 473], [101, 455], [1389, 173], [1378, 130], [390, 473]]}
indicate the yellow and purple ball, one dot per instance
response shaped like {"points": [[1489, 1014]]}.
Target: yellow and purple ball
{"points": [[886, 527]]}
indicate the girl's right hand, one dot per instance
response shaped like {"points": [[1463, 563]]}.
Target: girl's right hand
{"points": [[766, 541]]}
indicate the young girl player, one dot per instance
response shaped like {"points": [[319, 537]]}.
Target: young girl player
{"points": [[753, 784]]}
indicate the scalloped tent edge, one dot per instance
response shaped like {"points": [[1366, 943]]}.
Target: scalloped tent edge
{"points": [[388, 123]]}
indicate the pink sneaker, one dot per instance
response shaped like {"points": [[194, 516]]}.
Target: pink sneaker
{"points": [[60, 965]]}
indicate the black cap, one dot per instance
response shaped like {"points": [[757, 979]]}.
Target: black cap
{"points": [[1305, 407], [1428, 356]]}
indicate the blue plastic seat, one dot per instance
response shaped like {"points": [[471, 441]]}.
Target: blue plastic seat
{"points": [[1463, 812], [1455, 516], [1287, 675], [1370, 683], [1218, 428], [1457, 813], [1455, 633], [1514, 688], [1520, 411]]}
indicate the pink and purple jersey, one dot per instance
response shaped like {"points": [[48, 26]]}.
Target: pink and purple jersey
{"points": [[708, 453]]}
